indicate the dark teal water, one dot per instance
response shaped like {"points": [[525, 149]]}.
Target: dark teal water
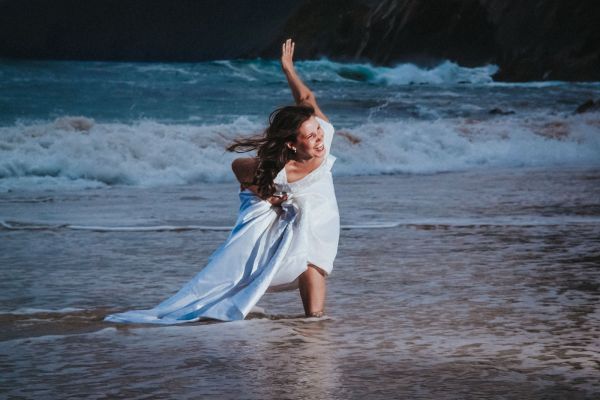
{"points": [[75, 125], [221, 91]]}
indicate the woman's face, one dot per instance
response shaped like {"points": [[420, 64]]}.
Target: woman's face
{"points": [[309, 142]]}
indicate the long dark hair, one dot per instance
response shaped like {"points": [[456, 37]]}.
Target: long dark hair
{"points": [[270, 146]]}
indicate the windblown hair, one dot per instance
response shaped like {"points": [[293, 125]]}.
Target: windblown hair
{"points": [[270, 146]]}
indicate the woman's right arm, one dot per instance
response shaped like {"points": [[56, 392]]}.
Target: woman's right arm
{"points": [[244, 169], [302, 94]]}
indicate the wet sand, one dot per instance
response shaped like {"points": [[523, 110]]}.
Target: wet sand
{"points": [[465, 285]]}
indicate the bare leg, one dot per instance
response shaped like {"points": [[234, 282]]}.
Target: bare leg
{"points": [[312, 291]]}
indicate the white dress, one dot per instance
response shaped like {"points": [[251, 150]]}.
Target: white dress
{"points": [[268, 249]]}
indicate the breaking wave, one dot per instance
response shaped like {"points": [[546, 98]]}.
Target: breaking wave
{"points": [[77, 152]]}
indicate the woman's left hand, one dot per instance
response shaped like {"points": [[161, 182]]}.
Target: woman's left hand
{"points": [[277, 200]]}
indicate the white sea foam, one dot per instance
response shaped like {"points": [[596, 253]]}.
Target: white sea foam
{"points": [[74, 123], [144, 153], [462, 144], [33, 310], [61, 154], [446, 72], [420, 222]]}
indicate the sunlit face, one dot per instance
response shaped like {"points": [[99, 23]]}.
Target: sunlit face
{"points": [[309, 141]]}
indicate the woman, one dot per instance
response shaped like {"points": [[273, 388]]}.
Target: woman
{"points": [[287, 231]]}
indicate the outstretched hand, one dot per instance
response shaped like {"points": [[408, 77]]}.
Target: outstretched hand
{"points": [[302, 94], [287, 55]]}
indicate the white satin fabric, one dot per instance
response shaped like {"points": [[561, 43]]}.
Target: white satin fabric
{"points": [[268, 248]]}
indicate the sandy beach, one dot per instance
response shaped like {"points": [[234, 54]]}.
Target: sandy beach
{"points": [[453, 286]]}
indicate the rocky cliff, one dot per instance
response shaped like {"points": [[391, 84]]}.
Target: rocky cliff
{"points": [[529, 40]]}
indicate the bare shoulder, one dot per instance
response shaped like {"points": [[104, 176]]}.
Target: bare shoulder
{"points": [[244, 168], [244, 163]]}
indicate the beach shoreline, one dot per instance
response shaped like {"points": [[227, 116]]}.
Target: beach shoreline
{"points": [[482, 284]]}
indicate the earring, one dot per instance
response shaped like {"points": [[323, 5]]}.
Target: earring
{"points": [[294, 149]]}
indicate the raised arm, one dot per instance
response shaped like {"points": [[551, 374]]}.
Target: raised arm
{"points": [[302, 94]]}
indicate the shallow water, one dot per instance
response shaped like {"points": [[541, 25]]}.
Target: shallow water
{"points": [[484, 284]]}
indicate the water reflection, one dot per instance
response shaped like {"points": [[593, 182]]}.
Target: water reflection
{"points": [[424, 310]]}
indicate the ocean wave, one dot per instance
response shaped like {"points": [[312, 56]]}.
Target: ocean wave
{"points": [[456, 144], [324, 70], [144, 153], [405, 74], [76, 152]]}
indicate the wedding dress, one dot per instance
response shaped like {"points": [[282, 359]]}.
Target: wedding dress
{"points": [[268, 249]]}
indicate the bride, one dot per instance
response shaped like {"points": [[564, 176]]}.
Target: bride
{"points": [[287, 231]]}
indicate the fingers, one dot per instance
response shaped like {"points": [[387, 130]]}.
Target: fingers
{"points": [[288, 45], [287, 48], [277, 200]]}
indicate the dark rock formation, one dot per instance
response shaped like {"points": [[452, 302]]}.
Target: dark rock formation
{"points": [[394, 31], [546, 39], [499, 111], [588, 106], [529, 40]]}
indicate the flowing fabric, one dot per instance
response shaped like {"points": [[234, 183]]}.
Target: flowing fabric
{"points": [[268, 249], [264, 240]]}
